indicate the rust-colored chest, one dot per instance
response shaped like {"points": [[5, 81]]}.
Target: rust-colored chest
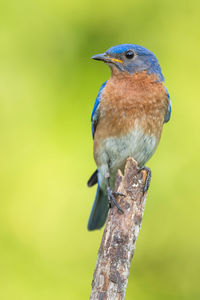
{"points": [[129, 101]]}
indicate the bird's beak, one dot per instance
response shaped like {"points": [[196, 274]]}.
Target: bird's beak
{"points": [[106, 58], [103, 57]]}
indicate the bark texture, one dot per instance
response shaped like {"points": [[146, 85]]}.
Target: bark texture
{"points": [[120, 235]]}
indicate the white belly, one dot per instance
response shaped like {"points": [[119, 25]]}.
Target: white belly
{"points": [[114, 152]]}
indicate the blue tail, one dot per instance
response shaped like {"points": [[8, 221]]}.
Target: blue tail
{"points": [[99, 211]]}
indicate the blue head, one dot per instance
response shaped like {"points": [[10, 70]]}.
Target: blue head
{"points": [[132, 59]]}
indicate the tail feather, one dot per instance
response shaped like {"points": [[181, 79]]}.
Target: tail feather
{"points": [[93, 179], [99, 211]]}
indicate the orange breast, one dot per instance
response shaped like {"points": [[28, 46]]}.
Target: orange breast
{"points": [[129, 101]]}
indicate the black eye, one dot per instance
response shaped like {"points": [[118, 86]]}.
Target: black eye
{"points": [[129, 54]]}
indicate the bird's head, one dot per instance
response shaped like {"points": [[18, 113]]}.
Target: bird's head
{"points": [[132, 59]]}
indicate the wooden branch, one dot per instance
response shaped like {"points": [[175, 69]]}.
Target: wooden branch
{"points": [[120, 235]]}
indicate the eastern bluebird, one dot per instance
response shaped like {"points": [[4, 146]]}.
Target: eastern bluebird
{"points": [[127, 119]]}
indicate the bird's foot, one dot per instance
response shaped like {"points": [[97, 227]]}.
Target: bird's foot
{"points": [[147, 179], [111, 198]]}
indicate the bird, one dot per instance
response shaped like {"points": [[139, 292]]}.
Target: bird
{"points": [[127, 120]]}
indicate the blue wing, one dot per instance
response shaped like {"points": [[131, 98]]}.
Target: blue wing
{"points": [[168, 113], [95, 111]]}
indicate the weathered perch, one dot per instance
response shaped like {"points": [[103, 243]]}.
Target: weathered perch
{"points": [[120, 235]]}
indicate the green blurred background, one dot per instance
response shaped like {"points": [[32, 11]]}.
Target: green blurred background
{"points": [[48, 85]]}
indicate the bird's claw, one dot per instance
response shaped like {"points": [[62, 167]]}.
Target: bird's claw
{"points": [[148, 178], [111, 198], [118, 194]]}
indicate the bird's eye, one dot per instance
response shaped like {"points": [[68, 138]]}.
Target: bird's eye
{"points": [[129, 54]]}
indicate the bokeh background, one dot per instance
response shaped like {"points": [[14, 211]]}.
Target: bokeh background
{"points": [[48, 85]]}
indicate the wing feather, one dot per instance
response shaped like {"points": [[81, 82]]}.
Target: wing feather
{"points": [[95, 111], [168, 113]]}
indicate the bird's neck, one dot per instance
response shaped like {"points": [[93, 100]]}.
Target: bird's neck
{"points": [[116, 74]]}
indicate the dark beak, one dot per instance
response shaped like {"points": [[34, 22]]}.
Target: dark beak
{"points": [[103, 57], [107, 59]]}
